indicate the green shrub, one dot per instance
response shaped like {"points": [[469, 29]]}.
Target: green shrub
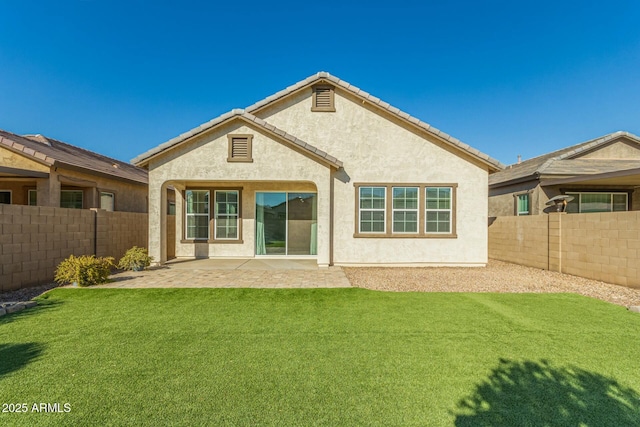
{"points": [[84, 270], [136, 259]]}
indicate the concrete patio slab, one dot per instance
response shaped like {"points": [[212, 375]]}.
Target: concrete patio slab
{"points": [[243, 264], [233, 273]]}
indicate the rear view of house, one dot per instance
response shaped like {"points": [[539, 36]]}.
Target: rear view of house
{"points": [[321, 170]]}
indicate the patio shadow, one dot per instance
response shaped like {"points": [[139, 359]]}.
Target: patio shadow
{"points": [[17, 356], [539, 394]]}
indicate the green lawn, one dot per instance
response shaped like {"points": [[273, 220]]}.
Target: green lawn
{"points": [[320, 357]]}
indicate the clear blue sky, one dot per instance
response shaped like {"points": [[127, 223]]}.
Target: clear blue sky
{"points": [[507, 77]]}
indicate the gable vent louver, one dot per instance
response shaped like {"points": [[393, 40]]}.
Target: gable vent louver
{"points": [[323, 98], [240, 148]]}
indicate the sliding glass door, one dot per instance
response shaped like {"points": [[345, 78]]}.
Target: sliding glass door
{"points": [[286, 223]]}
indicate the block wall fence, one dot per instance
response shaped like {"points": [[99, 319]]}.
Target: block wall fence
{"points": [[35, 239], [600, 246]]}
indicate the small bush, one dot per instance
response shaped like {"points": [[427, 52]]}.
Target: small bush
{"points": [[135, 259], [84, 270]]}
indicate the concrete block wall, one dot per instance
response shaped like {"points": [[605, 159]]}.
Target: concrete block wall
{"points": [[118, 231], [35, 239], [521, 240], [600, 246]]}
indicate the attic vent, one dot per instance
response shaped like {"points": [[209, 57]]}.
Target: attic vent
{"points": [[323, 98], [240, 148]]}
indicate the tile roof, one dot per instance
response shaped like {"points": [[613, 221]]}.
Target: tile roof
{"points": [[52, 152], [251, 119], [326, 77], [560, 162]]}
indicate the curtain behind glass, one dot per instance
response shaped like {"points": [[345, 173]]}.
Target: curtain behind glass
{"points": [[261, 248]]}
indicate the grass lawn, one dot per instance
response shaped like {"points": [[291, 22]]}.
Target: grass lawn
{"points": [[320, 357]]}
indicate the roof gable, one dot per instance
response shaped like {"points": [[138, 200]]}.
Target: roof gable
{"points": [[326, 78], [239, 114]]}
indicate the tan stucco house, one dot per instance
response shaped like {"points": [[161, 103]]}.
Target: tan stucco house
{"points": [[321, 170], [602, 175], [40, 171]]}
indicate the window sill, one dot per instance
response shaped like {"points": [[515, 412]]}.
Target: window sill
{"points": [[240, 241], [404, 236], [239, 160], [323, 109]]}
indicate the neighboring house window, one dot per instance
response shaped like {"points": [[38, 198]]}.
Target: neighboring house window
{"points": [[71, 199], [597, 202], [323, 99], [409, 210], [405, 209], [240, 147], [372, 207], [197, 214], [5, 197], [522, 204], [438, 210], [33, 197], [107, 201], [226, 214]]}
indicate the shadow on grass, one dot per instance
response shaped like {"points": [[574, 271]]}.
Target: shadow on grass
{"points": [[540, 394], [17, 356]]}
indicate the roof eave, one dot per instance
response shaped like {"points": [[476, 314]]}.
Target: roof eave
{"points": [[531, 177], [71, 166]]}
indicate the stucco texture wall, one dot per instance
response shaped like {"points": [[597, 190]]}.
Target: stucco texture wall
{"points": [[203, 162], [377, 148]]}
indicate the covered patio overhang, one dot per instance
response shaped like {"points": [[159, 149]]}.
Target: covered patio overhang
{"points": [[281, 221], [628, 178]]}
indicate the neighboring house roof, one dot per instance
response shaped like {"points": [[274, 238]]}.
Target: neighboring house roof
{"points": [[52, 152], [563, 162], [323, 77], [251, 119]]}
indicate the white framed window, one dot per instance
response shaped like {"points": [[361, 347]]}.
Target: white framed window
{"points": [[5, 197], [585, 202], [438, 212], [32, 197], [522, 204], [405, 209], [107, 201], [226, 214], [372, 209], [197, 214], [71, 199]]}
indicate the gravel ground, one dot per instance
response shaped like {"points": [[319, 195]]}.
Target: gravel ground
{"points": [[498, 276], [26, 294]]}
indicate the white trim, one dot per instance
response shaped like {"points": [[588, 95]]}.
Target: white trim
{"points": [[427, 209], [383, 210], [227, 216], [29, 197], [416, 210], [113, 200], [286, 221], [517, 196], [187, 214]]}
